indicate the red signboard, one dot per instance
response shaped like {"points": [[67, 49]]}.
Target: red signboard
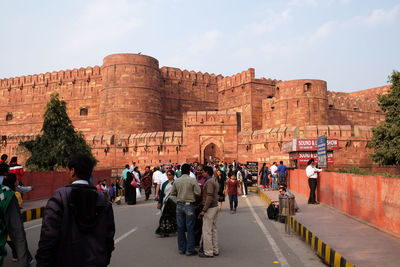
{"points": [[311, 144], [304, 156]]}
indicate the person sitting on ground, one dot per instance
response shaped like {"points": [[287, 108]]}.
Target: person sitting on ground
{"points": [[289, 194], [273, 208], [78, 222]]}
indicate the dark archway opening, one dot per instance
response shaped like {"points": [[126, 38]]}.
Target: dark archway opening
{"points": [[212, 153]]}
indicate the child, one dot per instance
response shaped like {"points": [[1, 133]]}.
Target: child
{"points": [[111, 192], [232, 186]]}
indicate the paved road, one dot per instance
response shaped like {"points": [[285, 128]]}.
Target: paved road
{"points": [[245, 238]]}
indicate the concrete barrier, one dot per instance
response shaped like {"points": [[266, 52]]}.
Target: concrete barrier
{"points": [[324, 251], [32, 214], [374, 199], [45, 183]]}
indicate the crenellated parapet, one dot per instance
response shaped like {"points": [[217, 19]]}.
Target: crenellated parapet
{"points": [[55, 77], [210, 118], [355, 109], [183, 76], [239, 80]]}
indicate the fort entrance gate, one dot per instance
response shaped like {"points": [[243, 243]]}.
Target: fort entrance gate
{"points": [[212, 153]]}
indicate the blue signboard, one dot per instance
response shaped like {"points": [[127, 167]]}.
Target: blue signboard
{"points": [[321, 152]]}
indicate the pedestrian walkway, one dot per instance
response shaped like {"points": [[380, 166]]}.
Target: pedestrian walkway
{"points": [[357, 242]]}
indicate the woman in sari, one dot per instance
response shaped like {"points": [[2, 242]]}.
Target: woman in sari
{"points": [[130, 191], [147, 182], [167, 204]]}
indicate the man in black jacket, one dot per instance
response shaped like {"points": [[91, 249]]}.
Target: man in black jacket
{"points": [[78, 222]]}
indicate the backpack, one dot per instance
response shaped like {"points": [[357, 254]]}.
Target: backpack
{"points": [[272, 212]]}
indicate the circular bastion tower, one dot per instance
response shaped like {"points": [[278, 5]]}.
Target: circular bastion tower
{"points": [[130, 100], [302, 102]]}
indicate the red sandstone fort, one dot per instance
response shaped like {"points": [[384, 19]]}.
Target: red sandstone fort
{"points": [[130, 109]]}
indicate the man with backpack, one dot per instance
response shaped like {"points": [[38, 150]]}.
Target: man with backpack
{"points": [[78, 222]]}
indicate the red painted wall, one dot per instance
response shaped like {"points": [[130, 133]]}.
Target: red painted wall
{"points": [[372, 198], [45, 183]]}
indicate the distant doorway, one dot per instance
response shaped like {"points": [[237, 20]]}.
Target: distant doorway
{"points": [[212, 153]]}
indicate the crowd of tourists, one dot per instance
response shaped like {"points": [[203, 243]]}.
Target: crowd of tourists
{"points": [[189, 196]]}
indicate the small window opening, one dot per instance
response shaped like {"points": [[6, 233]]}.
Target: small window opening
{"points": [[83, 112], [9, 116], [307, 87]]}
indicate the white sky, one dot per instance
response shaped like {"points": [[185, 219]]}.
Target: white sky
{"points": [[352, 44]]}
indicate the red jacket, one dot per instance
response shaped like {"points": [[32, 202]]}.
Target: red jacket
{"points": [[17, 169]]}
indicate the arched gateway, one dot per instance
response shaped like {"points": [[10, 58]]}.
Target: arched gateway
{"points": [[212, 153]]}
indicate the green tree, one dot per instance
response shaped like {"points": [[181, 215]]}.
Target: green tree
{"points": [[386, 138], [58, 139]]}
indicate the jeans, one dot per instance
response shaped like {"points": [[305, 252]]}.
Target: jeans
{"points": [[185, 218], [274, 181], [245, 187], [282, 179], [233, 199]]}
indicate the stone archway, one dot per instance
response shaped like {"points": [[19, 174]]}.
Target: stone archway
{"points": [[212, 152]]}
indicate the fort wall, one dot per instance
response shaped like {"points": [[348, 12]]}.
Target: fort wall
{"points": [[354, 109], [244, 93], [266, 145], [297, 102], [183, 91], [130, 99], [23, 99], [129, 109]]}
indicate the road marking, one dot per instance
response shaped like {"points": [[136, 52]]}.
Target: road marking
{"points": [[267, 234], [158, 212], [35, 226], [125, 235]]}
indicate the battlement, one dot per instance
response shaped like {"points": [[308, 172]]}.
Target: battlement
{"points": [[242, 78], [312, 131], [59, 77], [370, 94], [192, 76], [210, 117], [301, 87], [351, 103], [237, 80]]}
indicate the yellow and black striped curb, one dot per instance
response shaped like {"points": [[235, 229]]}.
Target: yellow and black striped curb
{"points": [[328, 255], [32, 214]]}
